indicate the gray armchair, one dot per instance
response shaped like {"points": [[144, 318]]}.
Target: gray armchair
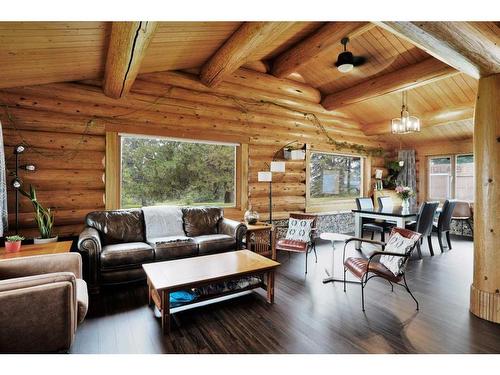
{"points": [[42, 300]]}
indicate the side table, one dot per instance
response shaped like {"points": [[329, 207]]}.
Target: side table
{"points": [[39, 249], [333, 237], [260, 239]]}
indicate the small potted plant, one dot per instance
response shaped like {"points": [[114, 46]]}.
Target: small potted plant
{"points": [[44, 218], [405, 193], [13, 243]]}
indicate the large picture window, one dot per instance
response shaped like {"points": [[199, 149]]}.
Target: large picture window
{"points": [[334, 177], [165, 171], [451, 177]]}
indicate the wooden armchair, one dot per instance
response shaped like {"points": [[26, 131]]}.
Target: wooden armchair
{"points": [[365, 269], [294, 246]]}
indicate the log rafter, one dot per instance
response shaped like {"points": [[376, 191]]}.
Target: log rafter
{"points": [[127, 47], [419, 74], [238, 49], [458, 44]]}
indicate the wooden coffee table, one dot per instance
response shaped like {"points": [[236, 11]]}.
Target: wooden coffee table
{"points": [[41, 249], [182, 274]]}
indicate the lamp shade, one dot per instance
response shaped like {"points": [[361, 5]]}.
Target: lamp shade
{"points": [[265, 176], [277, 166], [378, 174]]}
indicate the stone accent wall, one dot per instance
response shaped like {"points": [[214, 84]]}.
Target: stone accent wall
{"points": [[338, 223], [344, 223]]}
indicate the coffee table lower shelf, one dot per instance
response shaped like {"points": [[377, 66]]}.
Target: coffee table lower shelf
{"points": [[161, 298]]}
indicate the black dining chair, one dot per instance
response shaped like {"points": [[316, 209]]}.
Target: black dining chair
{"points": [[370, 225], [423, 225], [444, 223], [386, 203]]}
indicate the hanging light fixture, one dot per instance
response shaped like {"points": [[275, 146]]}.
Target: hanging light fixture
{"points": [[405, 123]]}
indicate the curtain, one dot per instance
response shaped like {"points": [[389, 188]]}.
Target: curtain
{"points": [[408, 174], [3, 187]]}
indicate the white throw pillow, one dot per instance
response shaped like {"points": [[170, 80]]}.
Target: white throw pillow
{"points": [[400, 245], [299, 230]]}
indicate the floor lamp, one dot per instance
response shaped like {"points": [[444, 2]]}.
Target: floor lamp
{"points": [[17, 182], [267, 176]]}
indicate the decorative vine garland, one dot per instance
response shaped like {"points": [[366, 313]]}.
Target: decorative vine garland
{"points": [[242, 105]]}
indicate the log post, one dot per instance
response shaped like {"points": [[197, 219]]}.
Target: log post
{"points": [[485, 288]]}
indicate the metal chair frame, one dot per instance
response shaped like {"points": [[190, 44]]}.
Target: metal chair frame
{"points": [[365, 277]]}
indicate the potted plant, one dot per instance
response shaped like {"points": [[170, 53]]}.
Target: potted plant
{"points": [[393, 169], [13, 243], [405, 193], [44, 218]]}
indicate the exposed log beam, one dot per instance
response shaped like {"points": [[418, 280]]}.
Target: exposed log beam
{"points": [[127, 47], [409, 77], [458, 44], [323, 41], [237, 50], [428, 119]]}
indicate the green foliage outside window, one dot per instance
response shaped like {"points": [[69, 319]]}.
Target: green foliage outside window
{"points": [[334, 176], [161, 171]]}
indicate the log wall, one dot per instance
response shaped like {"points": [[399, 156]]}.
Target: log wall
{"points": [[64, 126]]}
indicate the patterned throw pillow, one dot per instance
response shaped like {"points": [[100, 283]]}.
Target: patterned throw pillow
{"points": [[299, 230], [400, 245]]}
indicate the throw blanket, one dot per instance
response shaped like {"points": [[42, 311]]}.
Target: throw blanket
{"points": [[163, 221]]}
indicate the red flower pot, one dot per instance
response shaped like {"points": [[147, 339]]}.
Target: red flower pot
{"points": [[11, 247]]}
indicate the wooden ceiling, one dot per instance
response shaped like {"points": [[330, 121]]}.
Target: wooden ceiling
{"points": [[43, 52]]}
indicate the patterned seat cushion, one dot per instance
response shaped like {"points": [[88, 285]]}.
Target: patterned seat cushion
{"points": [[358, 267], [291, 245]]}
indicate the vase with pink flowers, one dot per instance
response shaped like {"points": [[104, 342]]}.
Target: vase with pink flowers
{"points": [[405, 193]]}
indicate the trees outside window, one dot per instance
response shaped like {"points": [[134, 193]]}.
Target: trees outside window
{"points": [[162, 171], [334, 176]]}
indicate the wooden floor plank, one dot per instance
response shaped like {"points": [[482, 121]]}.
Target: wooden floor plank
{"points": [[308, 316]]}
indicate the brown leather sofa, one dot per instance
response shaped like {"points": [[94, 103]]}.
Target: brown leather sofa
{"points": [[42, 300], [117, 243]]}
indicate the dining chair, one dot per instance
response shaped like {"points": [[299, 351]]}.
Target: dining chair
{"points": [[370, 225], [385, 203], [292, 244], [423, 225], [443, 225], [396, 252], [463, 213]]}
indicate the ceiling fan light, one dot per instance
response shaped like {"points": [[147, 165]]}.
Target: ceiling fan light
{"points": [[345, 62], [345, 68]]}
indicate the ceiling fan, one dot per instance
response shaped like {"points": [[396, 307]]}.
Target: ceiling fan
{"points": [[346, 61]]}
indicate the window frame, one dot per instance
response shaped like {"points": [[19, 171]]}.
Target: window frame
{"points": [[453, 175], [333, 205], [114, 166]]}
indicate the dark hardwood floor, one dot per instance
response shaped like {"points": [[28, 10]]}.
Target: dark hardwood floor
{"points": [[308, 316]]}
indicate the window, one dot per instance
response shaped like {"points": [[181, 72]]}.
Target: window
{"points": [[166, 171], [464, 180], [334, 177], [440, 178], [451, 177]]}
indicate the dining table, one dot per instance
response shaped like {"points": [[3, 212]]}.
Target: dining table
{"points": [[398, 215]]}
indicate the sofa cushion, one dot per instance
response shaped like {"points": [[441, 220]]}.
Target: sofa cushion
{"points": [[126, 254], [118, 226], [163, 221], [214, 243], [172, 247], [199, 221], [82, 299]]}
